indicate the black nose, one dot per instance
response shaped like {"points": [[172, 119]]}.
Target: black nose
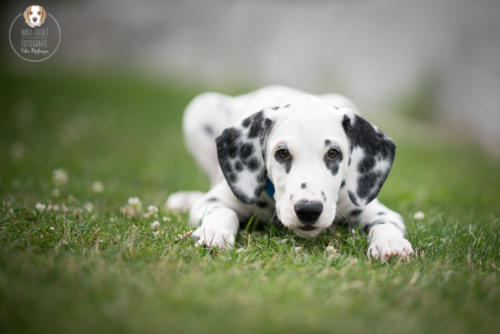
{"points": [[308, 211], [34, 19]]}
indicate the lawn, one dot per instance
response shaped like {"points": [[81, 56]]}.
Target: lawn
{"points": [[70, 266]]}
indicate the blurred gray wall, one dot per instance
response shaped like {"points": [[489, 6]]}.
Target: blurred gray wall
{"points": [[373, 51]]}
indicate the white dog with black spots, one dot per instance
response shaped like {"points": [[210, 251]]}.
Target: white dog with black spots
{"points": [[310, 161]]}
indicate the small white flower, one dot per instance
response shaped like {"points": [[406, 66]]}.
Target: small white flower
{"points": [[156, 233], [240, 250], [298, 249], [52, 228], [60, 177], [152, 209], [155, 225], [89, 207], [135, 202], [40, 207], [98, 187], [184, 235], [419, 215], [166, 219], [332, 251], [53, 207]]}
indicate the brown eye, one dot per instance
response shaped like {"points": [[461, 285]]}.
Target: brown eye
{"points": [[31, 13], [282, 154], [332, 153], [38, 13]]}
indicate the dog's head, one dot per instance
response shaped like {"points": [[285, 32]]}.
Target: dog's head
{"points": [[35, 16], [313, 153]]}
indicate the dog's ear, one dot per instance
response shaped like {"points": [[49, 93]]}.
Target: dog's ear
{"points": [[371, 153], [44, 15], [241, 154], [25, 14]]}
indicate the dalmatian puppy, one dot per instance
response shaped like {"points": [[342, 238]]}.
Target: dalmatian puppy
{"points": [[310, 161]]}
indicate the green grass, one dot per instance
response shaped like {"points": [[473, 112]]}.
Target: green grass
{"points": [[99, 271]]}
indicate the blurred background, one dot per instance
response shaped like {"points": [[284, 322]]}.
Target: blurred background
{"points": [[436, 62]]}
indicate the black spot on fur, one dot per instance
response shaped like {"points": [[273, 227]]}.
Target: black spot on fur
{"points": [[264, 133], [256, 125], [380, 213], [226, 166], [286, 106], [212, 199], [342, 184], [246, 150], [238, 166], [366, 164], [232, 177], [227, 144], [366, 183], [208, 130], [355, 213], [323, 195], [303, 185], [253, 164], [368, 226], [261, 204], [327, 142], [353, 197], [246, 122], [275, 108]]}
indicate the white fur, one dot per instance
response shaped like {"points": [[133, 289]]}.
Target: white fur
{"points": [[302, 128]]}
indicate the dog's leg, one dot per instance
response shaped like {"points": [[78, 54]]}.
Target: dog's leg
{"points": [[385, 231], [218, 228], [217, 216], [218, 224]]}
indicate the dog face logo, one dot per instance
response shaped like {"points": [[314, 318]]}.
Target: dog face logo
{"points": [[34, 16]]}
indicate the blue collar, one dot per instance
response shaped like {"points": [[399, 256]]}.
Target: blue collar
{"points": [[269, 188]]}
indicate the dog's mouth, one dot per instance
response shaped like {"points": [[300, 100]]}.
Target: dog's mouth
{"points": [[307, 228]]}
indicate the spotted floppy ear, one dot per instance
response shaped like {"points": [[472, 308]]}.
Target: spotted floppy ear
{"points": [[241, 152], [371, 153]]}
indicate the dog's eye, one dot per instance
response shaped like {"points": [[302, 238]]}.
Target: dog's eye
{"points": [[332, 153], [38, 13], [31, 13], [282, 154]]}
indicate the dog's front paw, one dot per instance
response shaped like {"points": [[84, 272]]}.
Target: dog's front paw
{"points": [[213, 238], [387, 248]]}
